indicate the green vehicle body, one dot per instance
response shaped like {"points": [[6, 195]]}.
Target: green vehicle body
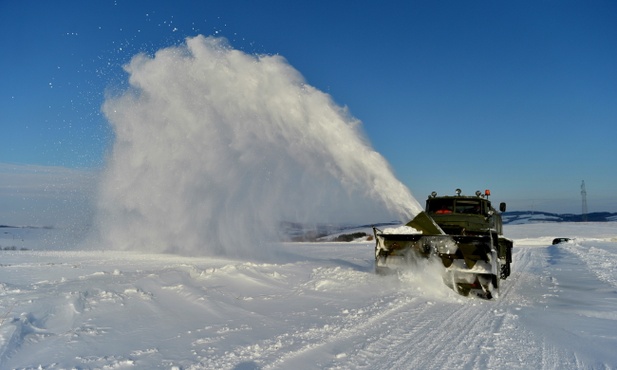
{"points": [[464, 232]]}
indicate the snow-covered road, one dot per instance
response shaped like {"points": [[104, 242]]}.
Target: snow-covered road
{"points": [[310, 306]]}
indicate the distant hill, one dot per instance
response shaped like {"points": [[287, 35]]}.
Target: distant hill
{"points": [[298, 232], [524, 217]]}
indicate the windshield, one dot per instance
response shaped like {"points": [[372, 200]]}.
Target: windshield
{"points": [[447, 205]]}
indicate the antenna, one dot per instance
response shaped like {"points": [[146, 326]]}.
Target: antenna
{"points": [[584, 196]]}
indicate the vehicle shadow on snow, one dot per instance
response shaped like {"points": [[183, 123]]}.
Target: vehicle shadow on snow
{"points": [[555, 254], [248, 365]]}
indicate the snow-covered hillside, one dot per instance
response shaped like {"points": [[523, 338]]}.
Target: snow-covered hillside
{"points": [[308, 306], [525, 217]]}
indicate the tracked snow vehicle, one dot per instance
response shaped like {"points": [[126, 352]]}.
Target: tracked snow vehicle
{"points": [[463, 232]]}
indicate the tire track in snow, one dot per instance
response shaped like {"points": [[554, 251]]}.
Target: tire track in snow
{"points": [[445, 338], [531, 284], [466, 333], [336, 334], [601, 262], [460, 332], [537, 293], [381, 316], [404, 330]]}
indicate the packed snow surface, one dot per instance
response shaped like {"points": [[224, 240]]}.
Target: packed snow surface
{"points": [[309, 306]]}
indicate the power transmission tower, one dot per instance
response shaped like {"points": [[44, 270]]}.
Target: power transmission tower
{"points": [[584, 196]]}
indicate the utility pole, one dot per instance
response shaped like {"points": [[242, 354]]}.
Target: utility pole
{"points": [[584, 196]]}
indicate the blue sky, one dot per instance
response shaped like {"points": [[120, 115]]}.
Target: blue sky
{"points": [[519, 97]]}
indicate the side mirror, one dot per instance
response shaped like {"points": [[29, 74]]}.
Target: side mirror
{"points": [[502, 206]]}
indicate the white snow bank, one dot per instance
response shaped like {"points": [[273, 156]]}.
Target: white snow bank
{"points": [[404, 229]]}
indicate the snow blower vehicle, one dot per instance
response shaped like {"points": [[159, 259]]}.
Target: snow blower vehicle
{"points": [[464, 233]]}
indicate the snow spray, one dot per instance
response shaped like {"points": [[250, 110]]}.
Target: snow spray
{"points": [[214, 148]]}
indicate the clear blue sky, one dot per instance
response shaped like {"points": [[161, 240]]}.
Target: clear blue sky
{"points": [[516, 96]]}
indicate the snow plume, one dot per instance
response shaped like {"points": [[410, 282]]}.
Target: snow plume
{"points": [[214, 148]]}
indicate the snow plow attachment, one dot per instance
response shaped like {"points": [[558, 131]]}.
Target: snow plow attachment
{"points": [[425, 225], [470, 263], [463, 233]]}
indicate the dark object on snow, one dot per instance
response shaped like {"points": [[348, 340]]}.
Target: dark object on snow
{"points": [[349, 237], [560, 240], [464, 233]]}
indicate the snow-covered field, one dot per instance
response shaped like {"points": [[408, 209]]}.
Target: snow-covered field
{"points": [[309, 306]]}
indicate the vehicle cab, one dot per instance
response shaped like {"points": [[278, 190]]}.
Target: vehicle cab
{"points": [[465, 215]]}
